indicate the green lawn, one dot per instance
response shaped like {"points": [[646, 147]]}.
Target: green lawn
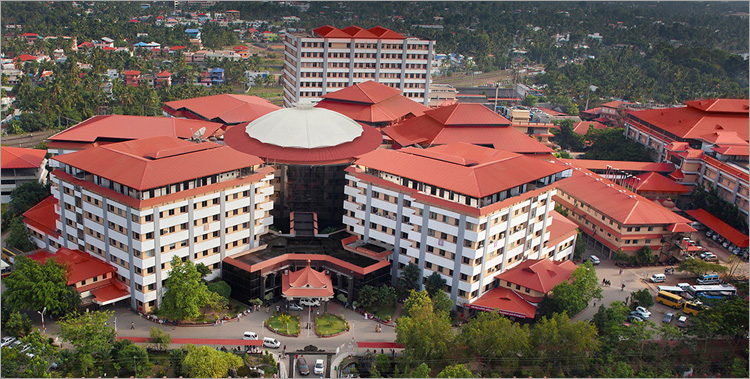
{"points": [[329, 324], [291, 327]]}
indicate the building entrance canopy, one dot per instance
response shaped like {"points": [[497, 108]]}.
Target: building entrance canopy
{"points": [[306, 284]]}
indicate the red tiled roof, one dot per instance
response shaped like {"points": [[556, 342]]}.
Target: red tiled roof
{"points": [[108, 294], [86, 44], [691, 153], [132, 72], [466, 114], [504, 301], [43, 217], [385, 33], [27, 57], [328, 31], [461, 167], [306, 283], [699, 118], [157, 161], [620, 204], [237, 138], [18, 157], [241, 47], [371, 102], [121, 127], [725, 168], [357, 32], [721, 105], [81, 266], [594, 111], [724, 137], [176, 47], [653, 182], [552, 112], [29, 35], [734, 236], [592, 164], [227, 108], [540, 275], [283, 259], [108, 48], [740, 150], [560, 229], [164, 73], [583, 126], [379, 345], [677, 174]]}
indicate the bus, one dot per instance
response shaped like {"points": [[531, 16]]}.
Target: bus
{"points": [[669, 299], [672, 289], [9, 254], [693, 307], [716, 291]]}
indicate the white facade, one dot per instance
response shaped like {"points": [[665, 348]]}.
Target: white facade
{"points": [[467, 251], [140, 242], [315, 66], [13, 177]]}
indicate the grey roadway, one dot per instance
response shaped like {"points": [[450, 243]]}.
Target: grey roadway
{"points": [[361, 331]]}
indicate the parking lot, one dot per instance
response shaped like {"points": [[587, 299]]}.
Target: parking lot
{"points": [[310, 359]]}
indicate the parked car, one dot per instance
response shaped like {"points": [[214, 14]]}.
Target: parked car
{"points": [[643, 312], [272, 343], [668, 318], [250, 336], [7, 341], [709, 233], [594, 259], [682, 321], [295, 307], [634, 318], [302, 366], [309, 303], [658, 278], [709, 257], [318, 369]]}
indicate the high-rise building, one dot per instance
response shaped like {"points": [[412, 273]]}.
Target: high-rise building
{"points": [[464, 211], [136, 204], [331, 59]]}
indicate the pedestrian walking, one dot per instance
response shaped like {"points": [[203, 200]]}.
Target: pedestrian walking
{"points": [[132, 325], [620, 271], [623, 287], [594, 303]]}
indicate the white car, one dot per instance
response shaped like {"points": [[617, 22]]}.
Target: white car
{"points": [[318, 369], [309, 303], [272, 343], [594, 259], [643, 312], [250, 336], [295, 307], [7, 341]]}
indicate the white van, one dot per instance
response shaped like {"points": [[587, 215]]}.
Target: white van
{"points": [[709, 279], [249, 336], [309, 303], [658, 278], [272, 343]]}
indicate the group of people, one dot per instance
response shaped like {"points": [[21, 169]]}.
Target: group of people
{"points": [[606, 283]]}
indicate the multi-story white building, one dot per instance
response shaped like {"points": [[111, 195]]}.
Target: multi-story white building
{"points": [[332, 59], [137, 204], [464, 211], [20, 165]]}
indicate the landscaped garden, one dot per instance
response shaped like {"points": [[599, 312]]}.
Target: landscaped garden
{"points": [[284, 323], [328, 325]]}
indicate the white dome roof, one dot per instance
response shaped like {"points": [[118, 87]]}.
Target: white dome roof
{"points": [[304, 127]]}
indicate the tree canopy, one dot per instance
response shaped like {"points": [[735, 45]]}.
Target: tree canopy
{"points": [[186, 293], [410, 278], [611, 145], [494, 337], [34, 286], [205, 362], [572, 297], [424, 333]]}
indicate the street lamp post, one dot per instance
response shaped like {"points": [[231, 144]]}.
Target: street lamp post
{"points": [[309, 315], [115, 322], [44, 330]]}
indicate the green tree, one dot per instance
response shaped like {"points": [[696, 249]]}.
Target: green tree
{"points": [[422, 371], [19, 236], [90, 334], [221, 287], [160, 338], [34, 286], [567, 138], [726, 317], [204, 271], [23, 197], [17, 325], [135, 359], [495, 338], [645, 256], [434, 283], [205, 362], [530, 101], [441, 302], [611, 144], [176, 356], [456, 371], [561, 344], [383, 364], [186, 293], [643, 298], [425, 334], [699, 267], [410, 278], [572, 297]]}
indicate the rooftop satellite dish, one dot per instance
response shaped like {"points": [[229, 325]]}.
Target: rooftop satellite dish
{"points": [[199, 134]]}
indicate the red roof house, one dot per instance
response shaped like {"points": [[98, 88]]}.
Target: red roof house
{"points": [[306, 283], [227, 108], [653, 185], [20, 158], [42, 217]]}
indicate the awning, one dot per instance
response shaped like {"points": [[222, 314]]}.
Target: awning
{"points": [[734, 236], [680, 227], [110, 293], [379, 345]]}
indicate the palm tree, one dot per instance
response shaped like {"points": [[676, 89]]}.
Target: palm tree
{"points": [[285, 318]]}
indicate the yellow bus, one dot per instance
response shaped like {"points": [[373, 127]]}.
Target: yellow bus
{"points": [[693, 307], [670, 299]]}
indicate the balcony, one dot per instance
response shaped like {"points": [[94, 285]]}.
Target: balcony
{"points": [[355, 245]]}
